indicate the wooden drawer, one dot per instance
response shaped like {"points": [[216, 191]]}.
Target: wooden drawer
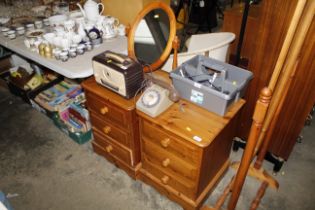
{"points": [[113, 149], [107, 111], [169, 162], [110, 130], [184, 150], [184, 186]]}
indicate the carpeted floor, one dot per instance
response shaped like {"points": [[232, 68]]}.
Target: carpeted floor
{"points": [[42, 168]]}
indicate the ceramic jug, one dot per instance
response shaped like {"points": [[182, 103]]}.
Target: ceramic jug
{"points": [[109, 27], [90, 11], [99, 23], [80, 22]]}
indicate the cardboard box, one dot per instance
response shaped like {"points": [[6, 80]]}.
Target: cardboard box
{"points": [[5, 65]]}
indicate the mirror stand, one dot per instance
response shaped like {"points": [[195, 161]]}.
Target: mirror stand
{"points": [[175, 46]]}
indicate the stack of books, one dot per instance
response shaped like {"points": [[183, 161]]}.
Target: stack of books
{"points": [[60, 96], [66, 98], [76, 119]]}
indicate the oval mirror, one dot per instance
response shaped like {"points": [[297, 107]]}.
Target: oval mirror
{"points": [[151, 35]]}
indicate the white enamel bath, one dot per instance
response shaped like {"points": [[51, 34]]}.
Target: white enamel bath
{"points": [[214, 45]]}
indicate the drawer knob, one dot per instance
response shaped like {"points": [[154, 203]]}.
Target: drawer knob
{"points": [[165, 179], [104, 110], [166, 162], [165, 142], [107, 129], [109, 148]]}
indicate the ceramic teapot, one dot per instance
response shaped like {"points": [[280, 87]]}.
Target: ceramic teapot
{"points": [[90, 11], [109, 26]]}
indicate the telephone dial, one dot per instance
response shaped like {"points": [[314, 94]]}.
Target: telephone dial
{"points": [[157, 97]]}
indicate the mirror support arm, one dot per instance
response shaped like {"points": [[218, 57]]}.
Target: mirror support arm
{"points": [[175, 46], [127, 29]]}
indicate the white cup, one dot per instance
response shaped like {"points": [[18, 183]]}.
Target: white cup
{"points": [[49, 37], [56, 53], [57, 41], [76, 39], [65, 43], [60, 31], [46, 22], [69, 25], [64, 56], [69, 36], [20, 30], [5, 31], [88, 46], [121, 30], [30, 26], [11, 34], [27, 43], [30, 43], [36, 44], [39, 24], [73, 52], [80, 49]]}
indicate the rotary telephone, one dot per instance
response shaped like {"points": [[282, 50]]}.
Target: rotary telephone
{"points": [[157, 97]]}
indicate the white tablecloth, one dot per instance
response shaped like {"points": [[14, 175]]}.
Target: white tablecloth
{"points": [[78, 67]]}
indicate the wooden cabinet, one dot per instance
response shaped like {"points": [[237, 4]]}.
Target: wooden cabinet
{"points": [[185, 151], [265, 33], [115, 126]]}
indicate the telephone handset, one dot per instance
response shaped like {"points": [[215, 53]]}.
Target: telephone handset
{"points": [[157, 98], [173, 94]]}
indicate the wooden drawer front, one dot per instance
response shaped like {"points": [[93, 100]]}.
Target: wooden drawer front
{"points": [[110, 130], [180, 148], [168, 161], [107, 111], [181, 185], [113, 149]]}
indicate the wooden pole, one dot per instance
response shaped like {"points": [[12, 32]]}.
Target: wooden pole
{"points": [[259, 196], [264, 148], [281, 91], [258, 118], [286, 44], [226, 192]]}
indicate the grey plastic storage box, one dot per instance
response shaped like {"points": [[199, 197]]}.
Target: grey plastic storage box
{"points": [[209, 83]]}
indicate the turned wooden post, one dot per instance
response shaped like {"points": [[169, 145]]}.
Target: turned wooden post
{"points": [[258, 118], [127, 29], [224, 195], [175, 47], [259, 196], [263, 150]]}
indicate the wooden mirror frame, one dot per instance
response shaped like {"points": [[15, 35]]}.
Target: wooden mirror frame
{"points": [[131, 35]]}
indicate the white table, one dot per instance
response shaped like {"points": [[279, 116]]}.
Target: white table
{"points": [[78, 67]]}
